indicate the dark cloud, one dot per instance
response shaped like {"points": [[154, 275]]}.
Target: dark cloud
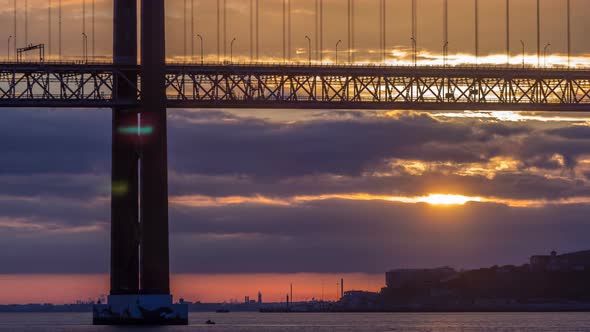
{"points": [[335, 146], [41, 252], [504, 185], [573, 132], [538, 150], [327, 236], [54, 141], [54, 171], [219, 143], [77, 186], [47, 210], [337, 236]]}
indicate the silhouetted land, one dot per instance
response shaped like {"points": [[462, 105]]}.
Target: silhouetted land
{"points": [[547, 283]]}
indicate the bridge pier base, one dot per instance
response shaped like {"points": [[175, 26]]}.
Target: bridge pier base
{"points": [[140, 310]]}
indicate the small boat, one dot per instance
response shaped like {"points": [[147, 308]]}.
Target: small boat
{"points": [[210, 322], [222, 311]]}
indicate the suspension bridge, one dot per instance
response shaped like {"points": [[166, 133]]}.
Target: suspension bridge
{"points": [[54, 80], [139, 92]]}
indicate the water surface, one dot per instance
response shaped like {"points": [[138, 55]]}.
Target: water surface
{"points": [[257, 322]]}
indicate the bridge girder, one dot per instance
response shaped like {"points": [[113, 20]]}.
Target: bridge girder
{"points": [[310, 87]]}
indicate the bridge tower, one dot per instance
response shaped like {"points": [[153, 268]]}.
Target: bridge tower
{"points": [[140, 282]]}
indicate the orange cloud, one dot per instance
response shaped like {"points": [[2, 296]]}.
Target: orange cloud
{"points": [[434, 199]]}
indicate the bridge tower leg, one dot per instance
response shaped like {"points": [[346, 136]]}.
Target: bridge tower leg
{"points": [[154, 161], [140, 282], [125, 158]]}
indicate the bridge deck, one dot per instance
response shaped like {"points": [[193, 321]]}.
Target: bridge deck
{"points": [[303, 86]]}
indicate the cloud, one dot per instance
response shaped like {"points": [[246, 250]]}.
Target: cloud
{"points": [[324, 236], [245, 170], [336, 146], [336, 235], [54, 141], [54, 212], [516, 186], [75, 186], [29, 226], [84, 251]]}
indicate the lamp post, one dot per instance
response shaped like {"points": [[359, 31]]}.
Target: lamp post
{"points": [[9, 38], [445, 51], [202, 52], [309, 48], [231, 51], [84, 47], [522, 43], [415, 51], [545, 55], [338, 43]]}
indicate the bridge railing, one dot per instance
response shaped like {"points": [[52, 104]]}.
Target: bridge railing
{"points": [[299, 64], [270, 86], [500, 66]]}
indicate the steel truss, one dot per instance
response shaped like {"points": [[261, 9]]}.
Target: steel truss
{"points": [[64, 85], [321, 87], [417, 88]]}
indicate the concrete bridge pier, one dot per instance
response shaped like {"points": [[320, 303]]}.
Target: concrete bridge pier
{"points": [[140, 282]]}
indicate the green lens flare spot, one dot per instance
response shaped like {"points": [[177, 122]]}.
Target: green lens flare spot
{"points": [[120, 188], [135, 130]]}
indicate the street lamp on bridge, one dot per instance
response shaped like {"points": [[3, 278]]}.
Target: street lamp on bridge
{"points": [[9, 38], [338, 43], [545, 54], [202, 52], [522, 43], [309, 48], [415, 51], [84, 47], [445, 53], [231, 51]]}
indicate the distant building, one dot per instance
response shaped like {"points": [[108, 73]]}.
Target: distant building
{"points": [[360, 299], [259, 298], [576, 261], [418, 277]]}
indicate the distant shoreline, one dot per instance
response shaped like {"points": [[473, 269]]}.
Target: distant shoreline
{"points": [[338, 312], [516, 309], [280, 308]]}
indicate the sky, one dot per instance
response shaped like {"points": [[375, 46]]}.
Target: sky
{"points": [[260, 199], [321, 192], [398, 29]]}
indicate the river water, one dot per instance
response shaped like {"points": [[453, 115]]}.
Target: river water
{"points": [[257, 322]]}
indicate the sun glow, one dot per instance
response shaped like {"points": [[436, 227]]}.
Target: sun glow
{"points": [[433, 199], [446, 199]]}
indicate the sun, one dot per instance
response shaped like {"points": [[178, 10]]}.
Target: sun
{"points": [[448, 199]]}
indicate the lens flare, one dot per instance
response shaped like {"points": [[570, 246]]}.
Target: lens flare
{"points": [[120, 188], [135, 130]]}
